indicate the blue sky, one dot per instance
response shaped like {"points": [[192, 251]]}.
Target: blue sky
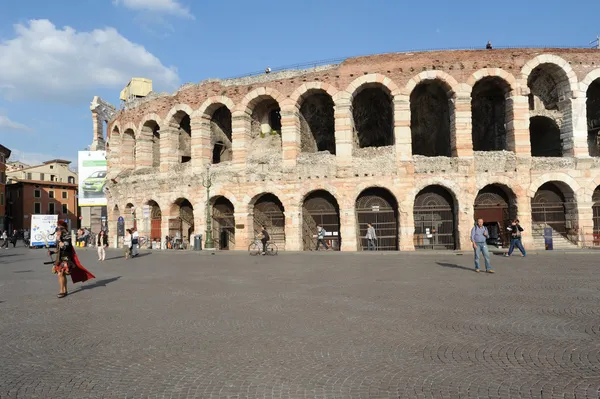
{"points": [[56, 55]]}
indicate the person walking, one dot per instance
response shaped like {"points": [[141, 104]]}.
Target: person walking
{"points": [[102, 243], [321, 237], [479, 236], [127, 244], [4, 240], [135, 240], [264, 239], [371, 237], [14, 238], [515, 238]]}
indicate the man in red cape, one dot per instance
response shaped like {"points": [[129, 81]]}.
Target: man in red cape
{"points": [[67, 261]]}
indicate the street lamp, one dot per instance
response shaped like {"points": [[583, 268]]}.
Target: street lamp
{"points": [[207, 183]]}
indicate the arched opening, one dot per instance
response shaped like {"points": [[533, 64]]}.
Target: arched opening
{"points": [[151, 132], [378, 207], [320, 208], [128, 150], [223, 223], [545, 138], [130, 219], [116, 227], [220, 128], [181, 222], [317, 123], [497, 206], [549, 97], [489, 114], [155, 221], [265, 129], [269, 212], [593, 118], [435, 219], [430, 119], [554, 212], [596, 215], [182, 122], [373, 115]]}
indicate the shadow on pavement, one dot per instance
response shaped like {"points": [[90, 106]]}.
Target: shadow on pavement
{"points": [[99, 283], [453, 266], [23, 271]]}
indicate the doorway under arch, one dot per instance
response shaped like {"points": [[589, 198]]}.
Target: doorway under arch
{"points": [[435, 219], [378, 207], [320, 208]]}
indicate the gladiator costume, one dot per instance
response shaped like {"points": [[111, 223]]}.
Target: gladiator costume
{"points": [[66, 260]]}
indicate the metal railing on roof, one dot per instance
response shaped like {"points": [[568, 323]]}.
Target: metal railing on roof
{"points": [[333, 61]]}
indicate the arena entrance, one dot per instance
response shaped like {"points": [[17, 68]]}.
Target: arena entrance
{"points": [[379, 207], [155, 221], [549, 209], [435, 219], [268, 211], [320, 208], [223, 223], [497, 207]]}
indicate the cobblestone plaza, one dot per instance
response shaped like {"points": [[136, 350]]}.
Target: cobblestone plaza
{"points": [[310, 325]]}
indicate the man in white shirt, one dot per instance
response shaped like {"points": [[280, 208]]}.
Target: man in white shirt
{"points": [[135, 243]]}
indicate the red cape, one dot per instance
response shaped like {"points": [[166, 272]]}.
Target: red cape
{"points": [[80, 273]]}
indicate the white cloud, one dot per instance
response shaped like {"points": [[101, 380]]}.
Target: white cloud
{"points": [[47, 63], [36, 158], [172, 7], [7, 124]]}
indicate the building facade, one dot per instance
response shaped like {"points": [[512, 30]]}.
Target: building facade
{"points": [[31, 197], [418, 144], [4, 155], [55, 170]]}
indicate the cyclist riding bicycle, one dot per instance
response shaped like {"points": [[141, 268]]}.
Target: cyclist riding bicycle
{"points": [[264, 239]]}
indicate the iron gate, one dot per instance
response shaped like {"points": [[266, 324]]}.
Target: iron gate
{"points": [[320, 210], [379, 209], [155, 223], [223, 224], [268, 212], [492, 205], [548, 210], [434, 220]]}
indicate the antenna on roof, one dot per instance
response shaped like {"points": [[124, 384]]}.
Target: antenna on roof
{"points": [[596, 43]]}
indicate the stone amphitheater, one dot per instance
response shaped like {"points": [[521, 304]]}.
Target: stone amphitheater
{"points": [[418, 144]]}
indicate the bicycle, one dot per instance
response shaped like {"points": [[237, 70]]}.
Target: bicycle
{"points": [[255, 248]]}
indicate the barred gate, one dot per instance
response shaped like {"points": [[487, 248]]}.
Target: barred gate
{"points": [[320, 209], [434, 220], [155, 223], [223, 224], [268, 211], [378, 207], [548, 210]]}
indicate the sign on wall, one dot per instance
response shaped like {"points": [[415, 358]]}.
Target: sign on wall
{"points": [[92, 178], [42, 230]]}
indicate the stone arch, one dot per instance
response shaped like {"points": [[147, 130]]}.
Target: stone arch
{"points": [[128, 149], [564, 178], [253, 194], [264, 107], [305, 89], [596, 215], [379, 207], [223, 222], [316, 118], [179, 120], [435, 218], [130, 219], [221, 192], [554, 205], [496, 203], [320, 208], [432, 115], [424, 76], [491, 111], [372, 104], [592, 95], [181, 219], [146, 118], [155, 233], [149, 143], [451, 186], [561, 63], [255, 96], [211, 104], [500, 73], [309, 187], [545, 137], [267, 209]]}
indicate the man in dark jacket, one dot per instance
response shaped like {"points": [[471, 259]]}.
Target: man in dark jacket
{"points": [[515, 238]]}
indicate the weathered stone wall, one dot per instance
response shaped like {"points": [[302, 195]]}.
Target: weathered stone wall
{"points": [[263, 161]]}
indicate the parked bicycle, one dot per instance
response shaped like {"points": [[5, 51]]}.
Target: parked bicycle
{"points": [[256, 248]]}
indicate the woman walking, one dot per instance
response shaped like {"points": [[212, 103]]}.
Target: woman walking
{"points": [[102, 243], [515, 238], [127, 243]]}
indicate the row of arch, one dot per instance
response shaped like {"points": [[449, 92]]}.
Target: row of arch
{"points": [[435, 215], [434, 100]]}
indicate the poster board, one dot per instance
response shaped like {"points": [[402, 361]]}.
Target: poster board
{"points": [[42, 230], [92, 178]]}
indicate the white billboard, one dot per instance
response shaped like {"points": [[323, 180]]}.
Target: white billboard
{"points": [[92, 178], [42, 230]]}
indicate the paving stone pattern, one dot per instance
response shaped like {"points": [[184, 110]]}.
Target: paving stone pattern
{"points": [[301, 326]]}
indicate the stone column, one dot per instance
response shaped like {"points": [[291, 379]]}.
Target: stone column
{"points": [[168, 148], [466, 221], [525, 220], [519, 141], [407, 226], [241, 125], [585, 222], [344, 130], [348, 229], [98, 128], [244, 234], [200, 218], [579, 127], [113, 159], [293, 230], [460, 126], [164, 229], [402, 133], [290, 134], [143, 153], [201, 143]]}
